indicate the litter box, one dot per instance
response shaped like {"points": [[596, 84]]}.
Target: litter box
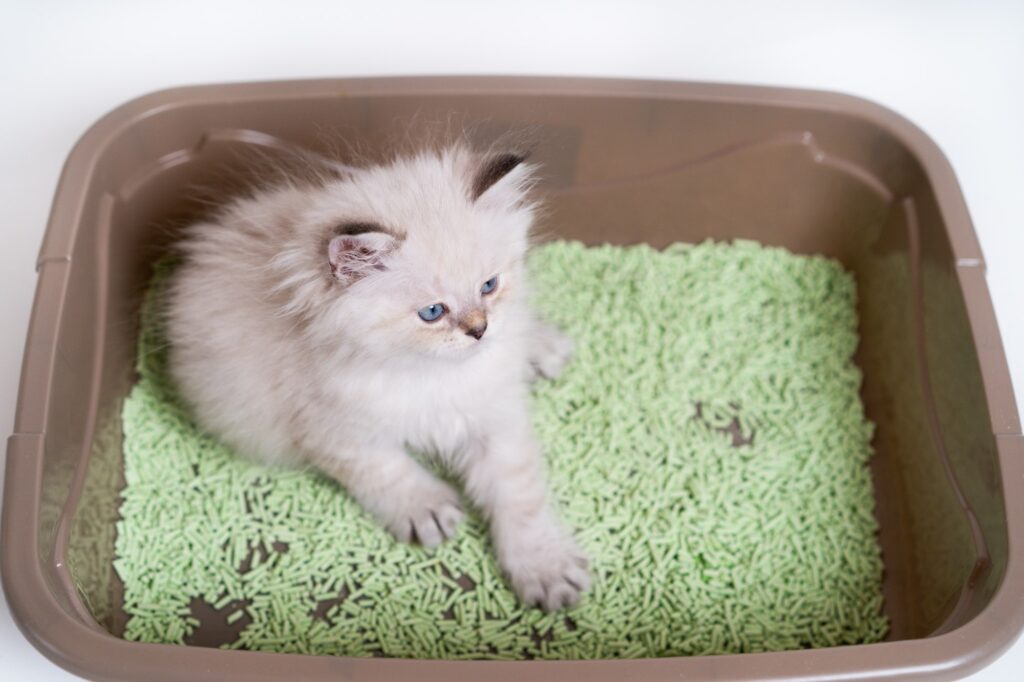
{"points": [[624, 162]]}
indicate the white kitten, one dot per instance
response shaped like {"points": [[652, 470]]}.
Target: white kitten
{"points": [[348, 321]]}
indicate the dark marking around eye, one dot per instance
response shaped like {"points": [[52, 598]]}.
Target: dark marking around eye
{"points": [[355, 228], [495, 169]]}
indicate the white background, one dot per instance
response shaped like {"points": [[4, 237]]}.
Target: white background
{"points": [[954, 68]]}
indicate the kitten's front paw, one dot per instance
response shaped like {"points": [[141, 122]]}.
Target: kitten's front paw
{"points": [[548, 571], [552, 350], [428, 514]]}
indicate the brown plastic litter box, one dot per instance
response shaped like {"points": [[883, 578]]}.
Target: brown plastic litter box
{"points": [[625, 161]]}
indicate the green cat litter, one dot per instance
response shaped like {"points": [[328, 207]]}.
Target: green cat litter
{"points": [[707, 444]]}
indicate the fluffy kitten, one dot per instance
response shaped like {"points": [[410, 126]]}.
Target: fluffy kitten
{"points": [[350, 321]]}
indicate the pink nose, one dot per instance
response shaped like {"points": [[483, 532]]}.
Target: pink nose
{"points": [[474, 323], [478, 331]]}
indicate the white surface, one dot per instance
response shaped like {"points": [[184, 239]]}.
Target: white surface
{"points": [[954, 68]]}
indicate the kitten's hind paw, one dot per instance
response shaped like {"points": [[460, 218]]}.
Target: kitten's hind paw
{"points": [[550, 352], [552, 575], [429, 515]]}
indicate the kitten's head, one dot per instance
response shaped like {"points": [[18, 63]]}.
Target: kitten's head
{"points": [[425, 256]]}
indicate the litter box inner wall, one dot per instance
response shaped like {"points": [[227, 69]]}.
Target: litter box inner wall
{"points": [[68, 420], [961, 407], [109, 270], [927, 555], [133, 230], [931, 556], [679, 169]]}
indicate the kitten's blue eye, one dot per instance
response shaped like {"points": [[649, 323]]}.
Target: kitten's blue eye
{"points": [[432, 312], [489, 286]]}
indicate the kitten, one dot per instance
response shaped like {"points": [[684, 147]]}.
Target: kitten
{"points": [[352, 320]]}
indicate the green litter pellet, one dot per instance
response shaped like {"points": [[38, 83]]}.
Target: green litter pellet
{"points": [[707, 443]]}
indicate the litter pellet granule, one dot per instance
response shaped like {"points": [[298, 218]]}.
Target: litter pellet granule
{"points": [[707, 443]]}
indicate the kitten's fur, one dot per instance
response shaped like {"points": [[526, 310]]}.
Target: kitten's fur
{"points": [[295, 337]]}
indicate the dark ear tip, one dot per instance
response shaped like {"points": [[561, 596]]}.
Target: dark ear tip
{"points": [[516, 157], [494, 169]]}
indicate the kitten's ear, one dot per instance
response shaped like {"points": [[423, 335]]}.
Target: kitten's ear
{"points": [[501, 176], [354, 255]]}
